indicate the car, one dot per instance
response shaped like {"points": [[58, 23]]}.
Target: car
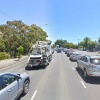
{"points": [[68, 52], [75, 56], [59, 50], [90, 65], [12, 85]]}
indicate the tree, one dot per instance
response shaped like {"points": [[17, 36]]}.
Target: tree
{"points": [[20, 50], [61, 42], [16, 33], [87, 43]]}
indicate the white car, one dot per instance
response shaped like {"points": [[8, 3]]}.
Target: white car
{"points": [[12, 85], [75, 56]]}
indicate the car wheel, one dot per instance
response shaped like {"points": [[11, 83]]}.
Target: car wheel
{"points": [[78, 65], [26, 87], [85, 74]]}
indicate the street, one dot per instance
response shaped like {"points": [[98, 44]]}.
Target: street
{"points": [[60, 80]]}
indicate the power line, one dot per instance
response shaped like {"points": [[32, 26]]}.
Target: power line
{"points": [[7, 15]]}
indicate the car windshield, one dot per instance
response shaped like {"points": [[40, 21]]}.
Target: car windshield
{"points": [[77, 54], [95, 61], [35, 52]]}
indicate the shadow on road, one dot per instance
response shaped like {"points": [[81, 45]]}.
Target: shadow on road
{"points": [[72, 60], [90, 80], [35, 68]]}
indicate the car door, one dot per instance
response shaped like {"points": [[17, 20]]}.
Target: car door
{"points": [[12, 85], [20, 85], [85, 64], [3, 91], [80, 62]]}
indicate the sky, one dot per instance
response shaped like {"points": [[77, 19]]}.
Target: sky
{"points": [[67, 19]]}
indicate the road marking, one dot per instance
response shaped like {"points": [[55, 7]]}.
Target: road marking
{"points": [[83, 84], [73, 68], [34, 95], [52, 60]]}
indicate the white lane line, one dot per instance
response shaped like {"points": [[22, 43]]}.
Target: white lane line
{"points": [[83, 84], [73, 68], [34, 95]]}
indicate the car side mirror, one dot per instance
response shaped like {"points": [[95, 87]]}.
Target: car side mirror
{"points": [[18, 78]]}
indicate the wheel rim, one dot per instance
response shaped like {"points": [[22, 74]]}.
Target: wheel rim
{"points": [[26, 86]]}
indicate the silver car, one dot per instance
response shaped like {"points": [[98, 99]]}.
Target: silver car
{"points": [[90, 65], [13, 85], [75, 56]]}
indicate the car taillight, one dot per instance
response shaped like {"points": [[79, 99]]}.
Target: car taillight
{"points": [[91, 65]]}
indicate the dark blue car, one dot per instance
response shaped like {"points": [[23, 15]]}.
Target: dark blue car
{"points": [[58, 50]]}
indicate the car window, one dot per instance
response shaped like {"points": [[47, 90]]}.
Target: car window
{"points": [[95, 61], [85, 59], [2, 84], [8, 79]]}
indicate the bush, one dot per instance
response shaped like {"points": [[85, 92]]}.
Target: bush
{"points": [[4, 55]]}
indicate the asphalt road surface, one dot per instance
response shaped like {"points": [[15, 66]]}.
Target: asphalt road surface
{"points": [[60, 80]]}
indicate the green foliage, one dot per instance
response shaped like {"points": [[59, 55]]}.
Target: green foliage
{"points": [[80, 46], [20, 49], [16, 33], [65, 44], [87, 43], [61, 42], [4, 55]]}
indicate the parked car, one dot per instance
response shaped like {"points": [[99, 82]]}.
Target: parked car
{"points": [[68, 52], [13, 85], [90, 65], [59, 50], [75, 56]]}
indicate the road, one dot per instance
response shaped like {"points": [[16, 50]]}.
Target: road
{"points": [[60, 80]]}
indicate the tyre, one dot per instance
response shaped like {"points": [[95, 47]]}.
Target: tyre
{"points": [[78, 65], [85, 74], [26, 87]]}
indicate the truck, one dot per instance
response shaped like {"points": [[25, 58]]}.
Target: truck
{"points": [[40, 54]]}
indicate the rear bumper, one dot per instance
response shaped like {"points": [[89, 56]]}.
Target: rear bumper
{"points": [[74, 59], [91, 73], [31, 65]]}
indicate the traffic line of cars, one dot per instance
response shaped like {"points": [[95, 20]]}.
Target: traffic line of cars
{"points": [[90, 65]]}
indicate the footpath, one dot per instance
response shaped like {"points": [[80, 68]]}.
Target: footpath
{"points": [[11, 61]]}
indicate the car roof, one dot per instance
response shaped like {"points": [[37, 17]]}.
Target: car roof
{"points": [[76, 53], [96, 57], [93, 57], [7, 73]]}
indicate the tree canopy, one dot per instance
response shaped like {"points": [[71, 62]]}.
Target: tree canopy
{"points": [[65, 44], [87, 43], [16, 34]]}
